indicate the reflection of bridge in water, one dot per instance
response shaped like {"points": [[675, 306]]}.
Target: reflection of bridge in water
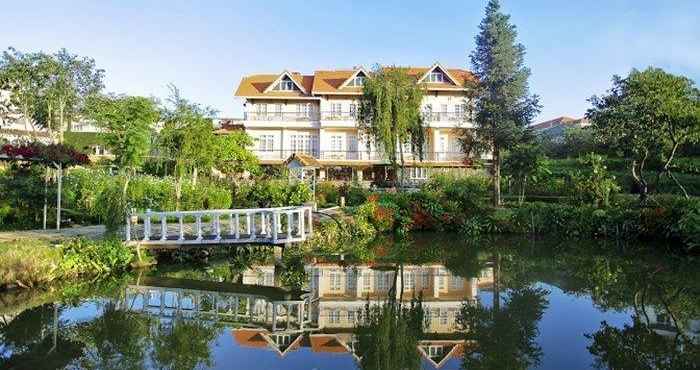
{"points": [[246, 305]]}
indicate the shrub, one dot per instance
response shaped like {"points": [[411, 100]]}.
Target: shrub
{"points": [[594, 185], [468, 191], [327, 194], [28, 263], [270, 193], [88, 257]]}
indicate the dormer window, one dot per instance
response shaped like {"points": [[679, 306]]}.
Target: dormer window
{"points": [[285, 85], [357, 81], [436, 76]]}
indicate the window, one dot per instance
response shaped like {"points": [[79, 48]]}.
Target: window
{"points": [[278, 109], [436, 76], [353, 110], [417, 173], [443, 317], [357, 81], [285, 85], [334, 316], [456, 282], [426, 279], [351, 316], [460, 109], [282, 339], [261, 108], [304, 110], [336, 143], [441, 280], [335, 284], [266, 143], [351, 279], [409, 280], [384, 280], [336, 108], [435, 351], [366, 281]]}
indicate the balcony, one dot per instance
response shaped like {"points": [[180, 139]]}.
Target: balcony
{"points": [[281, 116], [358, 155], [339, 116], [444, 116]]}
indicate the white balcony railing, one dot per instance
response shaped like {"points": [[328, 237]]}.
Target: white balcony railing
{"points": [[358, 155], [444, 116], [281, 116]]}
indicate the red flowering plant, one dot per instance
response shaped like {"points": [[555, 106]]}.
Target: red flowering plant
{"points": [[47, 154]]}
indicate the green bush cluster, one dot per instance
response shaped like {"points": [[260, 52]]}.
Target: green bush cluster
{"points": [[29, 263], [95, 196], [22, 197], [328, 193], [270, 193]]}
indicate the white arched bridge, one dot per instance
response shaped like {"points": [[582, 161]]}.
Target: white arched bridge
{"points": [[279, 225]]}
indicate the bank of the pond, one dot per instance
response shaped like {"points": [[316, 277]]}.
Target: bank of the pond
{"points": [[28, 263], [461, 205]]}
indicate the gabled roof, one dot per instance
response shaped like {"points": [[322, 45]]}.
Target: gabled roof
{"points": [[455, 349], [434, 67], [261, 338], [332, 82], [357, 72], [559, 121], [260, 85], [282, 75], [304, 159]]}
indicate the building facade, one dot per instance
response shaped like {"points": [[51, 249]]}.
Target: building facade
{"points": [[317, 114]]}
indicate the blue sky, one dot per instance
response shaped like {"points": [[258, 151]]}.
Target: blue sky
{"points": [[573, 47]]}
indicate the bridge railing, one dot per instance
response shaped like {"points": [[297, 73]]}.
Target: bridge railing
{"points": [[277, 225]]}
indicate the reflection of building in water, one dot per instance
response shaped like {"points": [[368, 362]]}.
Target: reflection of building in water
{"points": [[339, 295], [260, 275], [663, 324], [270, 318]]}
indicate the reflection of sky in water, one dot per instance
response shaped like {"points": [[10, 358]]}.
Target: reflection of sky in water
{"points": [[339, 291]]}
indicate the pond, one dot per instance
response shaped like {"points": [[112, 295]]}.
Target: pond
{"points": [[431, 302]]}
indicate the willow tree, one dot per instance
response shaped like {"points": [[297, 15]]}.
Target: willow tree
{"points": [[503, 105], [390, 114]]}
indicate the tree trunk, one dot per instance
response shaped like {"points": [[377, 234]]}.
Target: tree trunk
{"points": [[61, 109], [522, 192], [46, 197], [667, 170], [194, 176], [641, 183], [58, 197], [496, 282], [496, 176]]}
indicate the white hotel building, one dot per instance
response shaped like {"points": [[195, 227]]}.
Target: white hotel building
{"points": [[316, 115]]}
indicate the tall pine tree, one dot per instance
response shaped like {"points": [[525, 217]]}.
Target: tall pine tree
{"points": [[503, 104]]}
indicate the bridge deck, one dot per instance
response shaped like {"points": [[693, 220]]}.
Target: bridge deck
{"points": [[282, 225]]}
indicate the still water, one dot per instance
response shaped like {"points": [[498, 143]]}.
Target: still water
{"points": [[432, 302]]}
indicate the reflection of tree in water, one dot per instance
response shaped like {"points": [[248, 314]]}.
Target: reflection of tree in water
{"points": [[388, 336], [504, 335], [115, 340], [35, 339], [184, 345], [639, 347]]}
